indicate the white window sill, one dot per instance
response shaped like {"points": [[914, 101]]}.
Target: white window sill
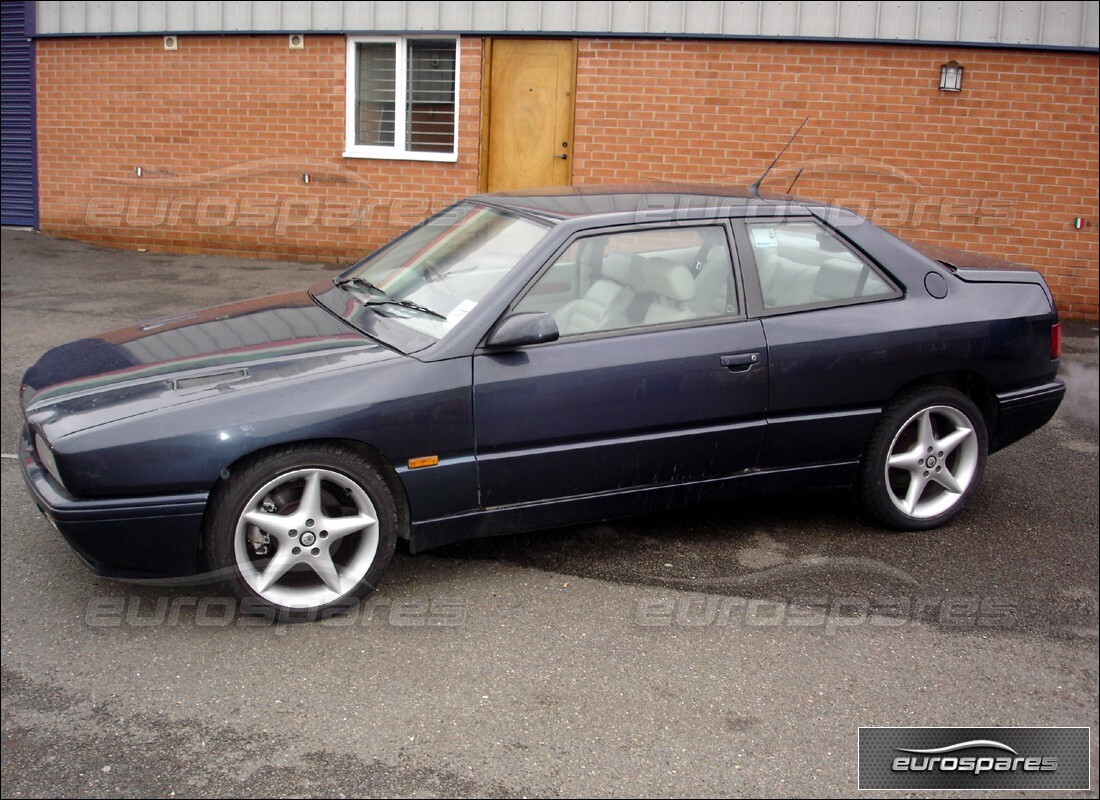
{"points": [[395, 155]]}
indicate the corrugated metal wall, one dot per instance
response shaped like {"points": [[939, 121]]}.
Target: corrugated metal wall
{"points": [[1030, 24], [18, 170]]}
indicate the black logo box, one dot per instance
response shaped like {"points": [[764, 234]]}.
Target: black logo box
{"points": [[1055, 759]]}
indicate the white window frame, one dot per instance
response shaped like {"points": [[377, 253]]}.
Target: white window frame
{"points": [[397, 151]]}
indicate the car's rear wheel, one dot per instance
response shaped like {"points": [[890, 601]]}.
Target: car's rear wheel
{"points": [[302, 532], [924, 459]]}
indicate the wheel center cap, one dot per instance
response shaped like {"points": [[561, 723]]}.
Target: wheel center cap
{"points": [[308, 538], [931, 462]]}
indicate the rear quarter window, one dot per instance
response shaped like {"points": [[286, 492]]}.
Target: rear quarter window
{"points": [[803, 264]]}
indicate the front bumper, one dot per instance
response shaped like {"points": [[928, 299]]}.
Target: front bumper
{"points": [[1025, 411], [127, 538]]}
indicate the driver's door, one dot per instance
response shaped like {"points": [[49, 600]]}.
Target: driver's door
{"points": [[657, 378]]}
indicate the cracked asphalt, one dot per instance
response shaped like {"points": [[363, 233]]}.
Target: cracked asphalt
{"points": [[727, 651]]}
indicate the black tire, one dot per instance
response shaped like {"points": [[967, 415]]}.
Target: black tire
{"points": [[301, 533], [924, 459]]}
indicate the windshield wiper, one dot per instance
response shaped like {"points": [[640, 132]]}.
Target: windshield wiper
{"points": [[405, 304], [362, 283], [384, 299]]}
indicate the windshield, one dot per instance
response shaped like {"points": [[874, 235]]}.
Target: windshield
{"points": [[438, 272]]}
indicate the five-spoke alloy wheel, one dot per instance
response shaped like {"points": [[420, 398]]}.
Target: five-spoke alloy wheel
{"points": [[303, 531], [924, 459]]}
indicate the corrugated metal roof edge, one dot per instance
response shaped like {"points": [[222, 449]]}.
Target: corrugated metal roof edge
{"points": [[583, 35]]}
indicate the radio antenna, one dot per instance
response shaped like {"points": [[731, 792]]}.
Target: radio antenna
{"points": [[796, 177], [755, 188], [802, 168]]}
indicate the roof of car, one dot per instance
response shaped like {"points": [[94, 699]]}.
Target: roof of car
{"points": [[569, 202]]}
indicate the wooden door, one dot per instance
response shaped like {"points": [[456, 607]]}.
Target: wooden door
{"points": [[530, 116]]}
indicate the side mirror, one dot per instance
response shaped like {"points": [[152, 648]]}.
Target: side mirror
{"points": [[523, 329]]}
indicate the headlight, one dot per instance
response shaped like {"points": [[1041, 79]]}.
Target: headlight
{"points": [[46, 458]]}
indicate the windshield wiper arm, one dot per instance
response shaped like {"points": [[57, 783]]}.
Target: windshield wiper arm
{"points": [[363, 283], [383, 299], [405, 304]]}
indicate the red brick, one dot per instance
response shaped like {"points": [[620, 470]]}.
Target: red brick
{"points": [[239, 119]]}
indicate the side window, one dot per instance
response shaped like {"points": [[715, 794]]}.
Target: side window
{"points": [[801, 263], [638, 277]]}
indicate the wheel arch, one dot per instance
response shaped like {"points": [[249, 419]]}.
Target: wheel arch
{"points": [[370, 455], [970, 384]]}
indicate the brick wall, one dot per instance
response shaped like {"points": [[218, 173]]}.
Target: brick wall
{"points": [[225, 127], [1002, 167]]}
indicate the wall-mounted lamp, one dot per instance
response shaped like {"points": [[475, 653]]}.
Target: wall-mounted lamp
{"points": [[951, 77]]}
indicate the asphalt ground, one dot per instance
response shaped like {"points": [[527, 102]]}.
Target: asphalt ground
{"points": [[728, 651]]}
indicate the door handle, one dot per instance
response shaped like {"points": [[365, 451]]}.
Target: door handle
{"points": [[562, 156], [741, 362]]}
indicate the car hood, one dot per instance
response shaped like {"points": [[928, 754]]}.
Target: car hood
{"points": [[180, 359]]}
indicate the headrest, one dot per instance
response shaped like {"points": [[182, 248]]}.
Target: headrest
{"points": [[838, 278], [668, 279], [616, 267]]}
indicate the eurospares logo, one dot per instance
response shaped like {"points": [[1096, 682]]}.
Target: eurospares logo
{"points": [[953, 759], [974, 758]]}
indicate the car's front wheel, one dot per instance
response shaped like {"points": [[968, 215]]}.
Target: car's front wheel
{"points": [[301, 532], [924, 459]]}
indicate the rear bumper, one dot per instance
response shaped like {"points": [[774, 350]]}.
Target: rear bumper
{"points": [[1025, 411], [127, 538]]}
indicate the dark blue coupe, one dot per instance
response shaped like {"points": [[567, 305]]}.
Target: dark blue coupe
{"points": [[530, 360]]}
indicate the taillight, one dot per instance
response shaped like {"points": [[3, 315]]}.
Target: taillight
{"points": [[1056, 341]]}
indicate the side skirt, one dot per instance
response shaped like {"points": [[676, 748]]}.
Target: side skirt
{"points": [[504, 520]]}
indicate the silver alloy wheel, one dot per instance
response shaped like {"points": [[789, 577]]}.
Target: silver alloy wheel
{"points": [[932, 460], [306, 538]]}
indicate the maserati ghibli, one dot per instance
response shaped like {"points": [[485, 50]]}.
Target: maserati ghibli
{"points": [[528, 360]]}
